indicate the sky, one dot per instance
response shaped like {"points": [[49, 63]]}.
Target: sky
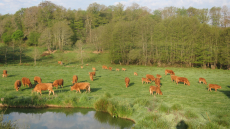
{"points": [[11, 6]]}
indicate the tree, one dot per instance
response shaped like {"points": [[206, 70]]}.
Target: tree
{"points": [[215, 15], [17, 36], [33, 38], [46, 38]]}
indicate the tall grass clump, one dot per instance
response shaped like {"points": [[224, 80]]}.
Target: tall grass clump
{"points": [[107, 95], [190, 114], [176, 107], [164, 108], [84, 98], [101, 104], [143, 102]]}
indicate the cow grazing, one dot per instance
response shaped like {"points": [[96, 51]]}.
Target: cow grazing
{"points": [[158, 76], [86, 64], [202, 80], [17, 84], [94, 69], [146, 80], [74, 79], [60, 62], [173, 78], [37, 79], [94, 73], [182, 79], [158, 82], [4, 73], [123, 69], [117, 69], [151, 77], [110, 68], [135, 73], [82, 67], [42, 87], [169, 71], [26, 81], [127, 80], [91, 76], [213, 86], [81, 86], [155, 88], [104, 67], [58, 82]]}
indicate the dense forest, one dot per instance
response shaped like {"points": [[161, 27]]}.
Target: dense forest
{"points": [[132, 35]]}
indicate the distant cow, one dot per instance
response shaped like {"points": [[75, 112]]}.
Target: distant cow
{"points": [[94, 69], [155, 88], [42, 87], [213, 86], [135, 73], [158, 82], [17, 84], [158, 76], [173, 78], [169, 71], [123, 69], [26, 81], [81, 86], [117, 69], [60, 62], [93, 73], [37, 79], [91, 76], [82, 67], [58, 82], [4, 73], [75, 78], [182, 79], [110, 68], [104, 67], [146, 80], [202, 80], [127, 80], [151, 77]]}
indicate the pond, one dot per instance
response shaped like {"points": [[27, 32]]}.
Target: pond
{"points": [[64, 118]]}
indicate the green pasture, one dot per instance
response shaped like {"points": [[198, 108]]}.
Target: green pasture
{"points": [[180, 106], [193, 106]]}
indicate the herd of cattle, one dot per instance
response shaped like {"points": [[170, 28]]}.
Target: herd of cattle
{"points": [[86, 86]]}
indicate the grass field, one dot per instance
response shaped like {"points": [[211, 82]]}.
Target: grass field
{"points": [[180, 106]]}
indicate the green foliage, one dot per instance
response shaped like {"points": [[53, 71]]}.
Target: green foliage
{"points": [[101, 104], [33, 38], [5, 124], [176, 107], [17, 35], [6, 38], [190, 114]]}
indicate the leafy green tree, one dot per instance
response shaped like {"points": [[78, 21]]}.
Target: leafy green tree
{"points": [[18, 36], [33, 38]]}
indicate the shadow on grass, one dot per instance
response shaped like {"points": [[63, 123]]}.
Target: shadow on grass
{"points": [[181, 125], [131, 84], [94, 89], [228, 86], [227, 93], [11, 75], [60, 90]]}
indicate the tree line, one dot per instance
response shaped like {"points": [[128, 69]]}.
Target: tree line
{"points": [[132, 35]]}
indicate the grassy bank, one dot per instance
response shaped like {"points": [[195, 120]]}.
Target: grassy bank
{"points": [[179, 106]]}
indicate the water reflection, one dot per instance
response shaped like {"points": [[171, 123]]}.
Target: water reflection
{"points": [[63, 118]]}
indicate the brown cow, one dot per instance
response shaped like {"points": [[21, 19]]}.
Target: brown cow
{"points": [[123, 69], [4, 73], [158, 82], [158, 76], [146, 80], [60, 62], [151, 77], [94, 69], [155, 88], [91, 76], [104, 67], [117, 69], [169, 71], [173, 78], [37, 79], [26, 81], [74, 79], [82, 67], [182, 79], [213, 86], [110, 68], [17, 84], [135, 73], [42, 87], [202, 80], [58, 82], [81, 86], [127, 80]]}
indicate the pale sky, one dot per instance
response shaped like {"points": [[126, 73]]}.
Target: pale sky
{"points": [[11, 6]]}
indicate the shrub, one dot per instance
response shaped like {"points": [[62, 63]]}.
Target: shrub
{"points": [[101, 104]]}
